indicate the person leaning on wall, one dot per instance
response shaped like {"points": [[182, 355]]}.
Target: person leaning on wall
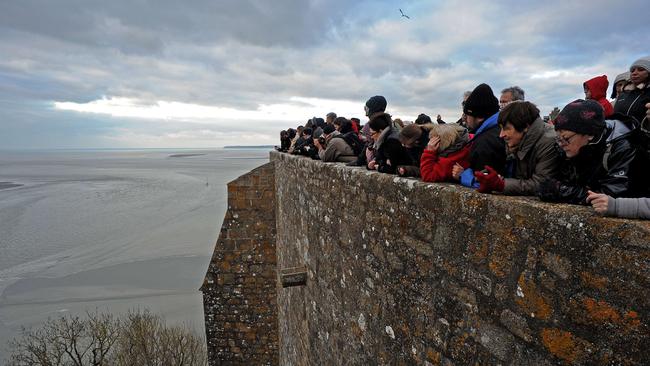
{"points": [[331, 147], [414, 138], [532, 154], [388, 150], [629, 208], [486, 148], [598, 154], [447, 146]]}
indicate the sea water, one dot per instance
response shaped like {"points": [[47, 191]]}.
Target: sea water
{"points": [[110, 231]]}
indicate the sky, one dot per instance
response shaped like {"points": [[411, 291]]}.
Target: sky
{"points": [[209, 73]]}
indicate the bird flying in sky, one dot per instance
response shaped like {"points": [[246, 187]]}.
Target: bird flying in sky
{"points": [[404, 15]]}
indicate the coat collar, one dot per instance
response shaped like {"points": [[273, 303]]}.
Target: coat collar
{"points": [[535, 131], [487, 124]]}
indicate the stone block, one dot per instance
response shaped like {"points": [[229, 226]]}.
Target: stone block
{"points": [[516, 324], [479, 281], [558, 265], [497, 341], [528, 357], [531, 300], [567, 346]]}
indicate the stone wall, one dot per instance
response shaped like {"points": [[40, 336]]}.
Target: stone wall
{"points": [[404, 272], [239, 290]]}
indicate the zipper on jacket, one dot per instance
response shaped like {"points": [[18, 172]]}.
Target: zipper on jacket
{"points": [[630, 108]]}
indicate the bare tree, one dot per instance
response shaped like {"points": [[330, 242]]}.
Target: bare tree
{"points": [[138, 338], [148, 342]]}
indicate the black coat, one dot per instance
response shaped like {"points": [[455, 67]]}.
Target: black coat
{"points": [[604, 167], [488, 148], [305, 147], [391, 150], [285, 143], [632, 102]]}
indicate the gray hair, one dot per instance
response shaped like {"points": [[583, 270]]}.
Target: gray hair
{"points": [[332, 115], [517, 92]]}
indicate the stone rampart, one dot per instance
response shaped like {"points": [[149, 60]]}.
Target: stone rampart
{"points": [[404, 272], [239, 290]]}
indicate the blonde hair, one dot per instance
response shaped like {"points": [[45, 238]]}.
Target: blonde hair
{"points": [[448, 134]]}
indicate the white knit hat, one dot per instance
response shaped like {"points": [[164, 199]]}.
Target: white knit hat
{"points": [[643, 62]]}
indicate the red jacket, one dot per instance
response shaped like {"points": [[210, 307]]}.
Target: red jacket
{"points": [[598, 88], [434, 168]]}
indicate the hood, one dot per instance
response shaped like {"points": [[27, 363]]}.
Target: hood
{"points": [[597, 86], [387, 133], [620, 77], [487, 124], [460, 142], [620, 125]]}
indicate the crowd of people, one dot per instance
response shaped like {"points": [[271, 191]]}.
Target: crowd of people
{"points": [[594, 152]]}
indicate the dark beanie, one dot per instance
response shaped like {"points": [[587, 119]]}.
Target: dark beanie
{"points": [[481, 103], [422, 119], [581, 116], [376, 104], [328, 129]]}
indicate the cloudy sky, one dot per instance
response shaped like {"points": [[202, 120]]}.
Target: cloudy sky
{"points": [[208, 73]]}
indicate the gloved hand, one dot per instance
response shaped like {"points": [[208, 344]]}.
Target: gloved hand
{"points": [[490, 182]]}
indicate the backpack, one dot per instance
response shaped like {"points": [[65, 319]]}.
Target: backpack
{"points": [[352, 139]]}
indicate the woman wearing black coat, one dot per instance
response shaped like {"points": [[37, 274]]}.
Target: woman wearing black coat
{"points": [[599, 155], [636, 94], [389, 152]]}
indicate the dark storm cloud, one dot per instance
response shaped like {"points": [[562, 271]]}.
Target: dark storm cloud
{"points": [[243, 54], [145, 26]]}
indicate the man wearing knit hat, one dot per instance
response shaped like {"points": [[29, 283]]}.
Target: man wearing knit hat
{"points": [[599, 154], [486, 148], [375, 105], [376, 108]]}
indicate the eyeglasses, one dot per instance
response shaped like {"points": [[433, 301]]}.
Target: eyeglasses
{"points": [[563, 141]]}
